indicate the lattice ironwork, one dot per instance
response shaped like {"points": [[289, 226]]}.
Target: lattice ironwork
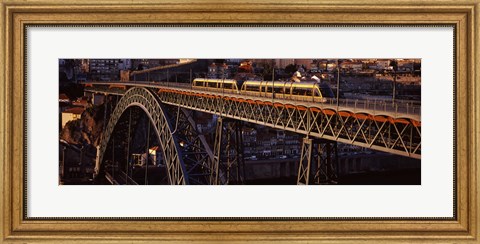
{"points": [[305, 163], [401, 136], [228, 163], [196, 152], [318, 162], [325, 162], [215, 160], [394, 131], [148, 102]]}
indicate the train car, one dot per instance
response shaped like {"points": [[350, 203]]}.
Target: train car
{"points": [[265, 88], [303, 91], [222, 85]]}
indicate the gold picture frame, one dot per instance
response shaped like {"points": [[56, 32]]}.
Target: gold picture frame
{"points": [[17, 14]]}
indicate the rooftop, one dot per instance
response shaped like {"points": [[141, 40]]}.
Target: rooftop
{"points": [[74, 110], [63, 97]]}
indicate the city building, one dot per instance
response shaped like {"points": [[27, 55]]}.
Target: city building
{"points": [[382, 64], [327, 65], [282, 63], [141, 64], [154, 156], [71, 114], [104, 69], [81, 102], [85, 65], [97, 99], [305, 63], [313, 67], [76, 164], [405, 65], [125, 64], [64, 102], [218, 71], [351, 66], [233, 61], [63, 98], [246, 66]]}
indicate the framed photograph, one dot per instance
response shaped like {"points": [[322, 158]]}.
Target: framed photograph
{"points": [[224, 121]]}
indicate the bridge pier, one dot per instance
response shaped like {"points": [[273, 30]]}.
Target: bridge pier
{"points": [[228, 163], [319, 159], [305, 163], [215, 161]]}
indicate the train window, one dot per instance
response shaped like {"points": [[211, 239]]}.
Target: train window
{"points": [[298, 91], [212, 84], [278, 89], [308, 92], [228, 86], [288, 90], [251, 88], [295, 91], [302, 91], [269, 89], [199, 83]]}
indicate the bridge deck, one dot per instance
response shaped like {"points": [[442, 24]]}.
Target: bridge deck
{"points": [[377, 107]]}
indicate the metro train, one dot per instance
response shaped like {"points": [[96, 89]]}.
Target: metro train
{"points": [[306, 91]]}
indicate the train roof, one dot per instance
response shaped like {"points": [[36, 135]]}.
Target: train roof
{"points": [[216, 80], [260, 82], [303, 84]]}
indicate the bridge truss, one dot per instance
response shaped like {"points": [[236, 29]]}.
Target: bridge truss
{"points": [[401, 136]]}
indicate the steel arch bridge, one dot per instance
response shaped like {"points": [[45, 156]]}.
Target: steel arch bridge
{"points": [[396, 131]]}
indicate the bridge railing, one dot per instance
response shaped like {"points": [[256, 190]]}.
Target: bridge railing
{"points": [[379, 105]]}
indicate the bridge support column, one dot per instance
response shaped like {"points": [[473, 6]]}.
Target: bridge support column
{"points": [[326, 162], [228, 162], [319, 158], [235, 163], [215, 162], [99, 154], [305, 162], [97, 163]]}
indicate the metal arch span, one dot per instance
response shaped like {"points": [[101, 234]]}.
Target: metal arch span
{"points": [[143, 98]]}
